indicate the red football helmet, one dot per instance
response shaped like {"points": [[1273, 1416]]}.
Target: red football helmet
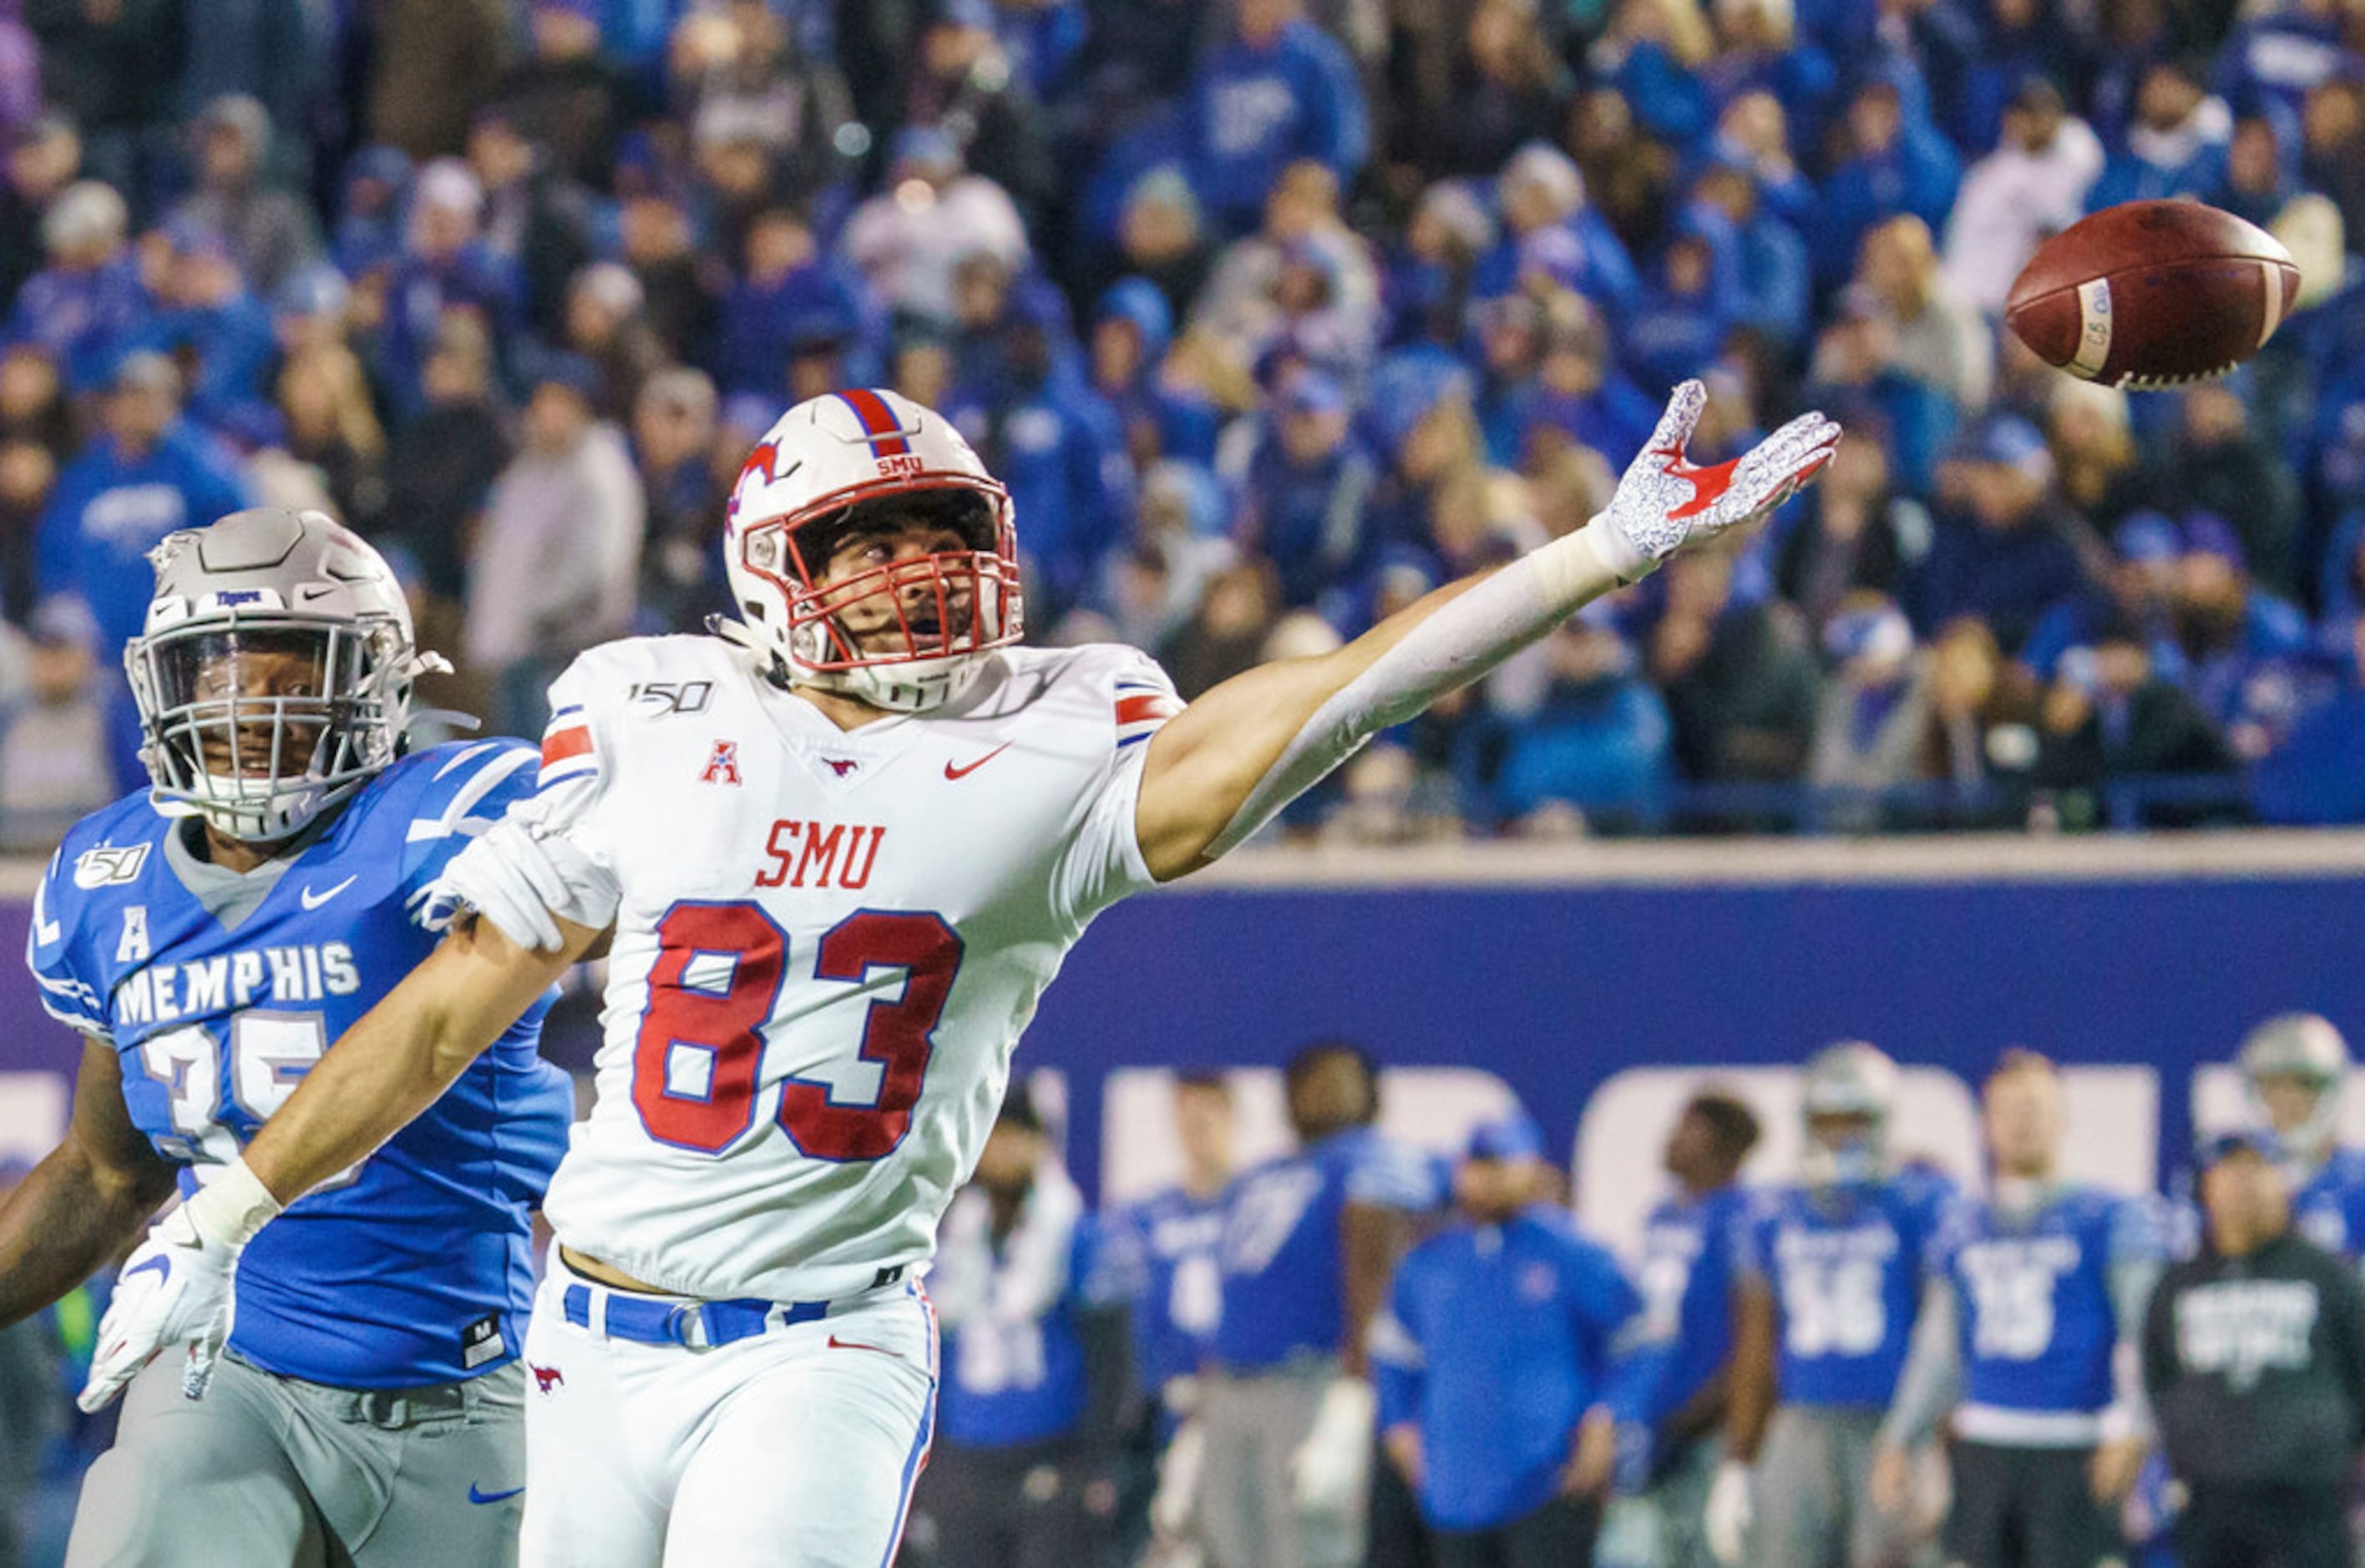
{"points": [[906, 634]]}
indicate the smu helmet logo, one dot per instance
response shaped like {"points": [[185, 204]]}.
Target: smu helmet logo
{"points": [[722, 768]]}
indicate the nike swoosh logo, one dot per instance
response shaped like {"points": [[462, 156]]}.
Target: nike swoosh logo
{"points": [[837, 1344], [476, 1496], [312, 901], [952, 772], [164, 1266]]}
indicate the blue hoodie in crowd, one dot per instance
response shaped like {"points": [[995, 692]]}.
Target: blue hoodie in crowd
{"points": [[84, 319], [1186, 423], [1917, 172], [1601, 746], [1307, 517], [475, 277], [1582, 253], [110, 508], [1253, 112], [763, 323], [2270, 62], [1058, 447], [231, 346]]}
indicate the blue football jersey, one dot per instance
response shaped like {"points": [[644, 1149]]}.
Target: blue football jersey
{"points": [[1169, 1240], [1019, 1378], [2329, 1207], [413, 1267], [1845, 1266], [1281, 1248], [1685, 1276], [2035, 1313]]}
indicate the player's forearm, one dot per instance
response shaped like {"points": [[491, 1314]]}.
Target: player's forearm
{"points": [[64, 1220], [1931, 1381], [401, 1056], [1754, 1327], [1374, 1238], [1231, 759]]}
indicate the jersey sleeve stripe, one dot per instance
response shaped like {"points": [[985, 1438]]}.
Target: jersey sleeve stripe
{"points": [[1133, 710], [562, 745]]}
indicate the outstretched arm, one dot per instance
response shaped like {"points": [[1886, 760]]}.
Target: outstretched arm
{"points": [[386, 1069], [1225, 764], [86, 1201]]}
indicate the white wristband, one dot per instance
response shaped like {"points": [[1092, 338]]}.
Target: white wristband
{"points": [[229, 1210]]}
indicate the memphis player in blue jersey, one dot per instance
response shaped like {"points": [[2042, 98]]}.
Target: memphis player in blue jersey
{"points": [[1831, 1280], [1310, 1241], [1165, 1247], [1686, 1276], [208, 939], [2295, 1068], [2029, 1347]]}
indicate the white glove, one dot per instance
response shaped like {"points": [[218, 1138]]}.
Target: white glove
{"points": [[177, 1288], [1664, 502], [1331, 1466], [1731, 1510], [1176, 1500]]}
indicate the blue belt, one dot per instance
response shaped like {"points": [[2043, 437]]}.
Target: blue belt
{"points": [[699, 1324]]}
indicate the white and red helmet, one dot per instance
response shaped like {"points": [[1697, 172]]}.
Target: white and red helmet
{"points": [[827, 463]]}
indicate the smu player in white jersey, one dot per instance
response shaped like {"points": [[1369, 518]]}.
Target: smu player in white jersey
{"points": [[841, 848]]}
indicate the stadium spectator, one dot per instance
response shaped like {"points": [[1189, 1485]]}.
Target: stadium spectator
{"points": [[2029, 189], [2230, 631], [1897, 164], [445, 269], [1686, 1276], [441, 462], [1938, 337], [1872, 726], [2109, 717], [1276, 90], [2028, 1346], [554, 564], [1035, 1357], [2254, 1361], [2002, 549], [1594, 751], [269, 231], [1854, 534], [2142, 587], [2176, 146], [43, 158], [1741, 682], [960, 85], [203, 319], [535, 215], [435, 60], [1310, 1239], [564, 96], [673, 430], [86, 304], [908, 240], [1301, 502], [2218, 464], [147, 474], [1496, 1402], [330, 422]]}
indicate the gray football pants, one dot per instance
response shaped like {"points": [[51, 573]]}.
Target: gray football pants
{"points": [[1248, 1517], [1814, 1495], [268, 1472]]}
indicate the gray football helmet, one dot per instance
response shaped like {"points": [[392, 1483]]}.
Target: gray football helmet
{"points": [[273, 675], [1847, 1079], [2304, 1047]]}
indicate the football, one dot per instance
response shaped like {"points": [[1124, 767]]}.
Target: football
{"points": [[2153, 294]]}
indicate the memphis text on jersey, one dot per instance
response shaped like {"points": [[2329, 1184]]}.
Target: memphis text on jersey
{"points": [[161, 993]]}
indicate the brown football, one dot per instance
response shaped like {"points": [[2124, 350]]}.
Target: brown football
{"points": [[2153, 294]]}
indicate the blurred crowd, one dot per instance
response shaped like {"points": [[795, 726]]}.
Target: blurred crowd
{"points": [[1273, 314]]}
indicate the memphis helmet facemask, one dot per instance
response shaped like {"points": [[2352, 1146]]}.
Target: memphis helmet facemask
{"points": [[906, 634]]}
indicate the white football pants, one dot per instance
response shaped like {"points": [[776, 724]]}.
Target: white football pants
{"points": [[795, 1448]]}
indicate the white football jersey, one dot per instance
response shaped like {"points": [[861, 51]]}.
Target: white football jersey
{"points": [[827, 945]]}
